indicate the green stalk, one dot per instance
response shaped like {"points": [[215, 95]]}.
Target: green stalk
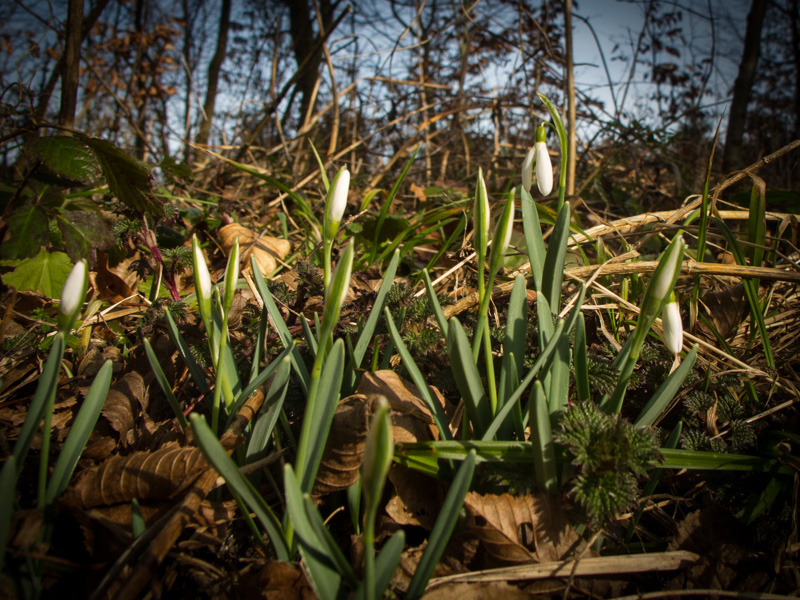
{"points": [[561, 131]]}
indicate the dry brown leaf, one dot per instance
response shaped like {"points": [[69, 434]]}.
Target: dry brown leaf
{"points": [[95, 358], [126, 400], [411, 419], [344, 449], [520, 529], [417, 499], [726, 309], [156, 475], [477, 591], [274, 581], [112, 284], [266, 249]]}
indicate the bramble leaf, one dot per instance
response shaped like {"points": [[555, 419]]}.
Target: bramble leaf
{"points": [[45, 274], [27, 232], [67, 157]]}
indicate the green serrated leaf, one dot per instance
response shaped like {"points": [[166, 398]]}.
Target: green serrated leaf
{"points": [[175, 170], [27, 233], [84, 233], [127, 179], [67, 157], [45, 274]]}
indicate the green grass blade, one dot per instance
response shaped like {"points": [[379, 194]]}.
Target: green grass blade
{"points": [[580, 361], [757, 224], [330, 384], [186, 354], [387, 203], [544, 320], [533, 237], [434, 300], [219, 459], [269, 413], [558, 392], [256, 382], [542, 440], [280, 326], [334, 553], [516, 337], [751, 291], [321, 165], [386, 562], [698, 460], [417, 378], [666, 391], [443, 528], [467, 377], [366, 335], [45, 389], [8, 489], [553, 271], [540, 362], [79, 433], [321, 567], [138, 525], [161, 378]]}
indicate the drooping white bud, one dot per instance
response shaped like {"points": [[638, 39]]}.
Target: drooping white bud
{"points": [[673, 326], [544, 168], [527, 170]]}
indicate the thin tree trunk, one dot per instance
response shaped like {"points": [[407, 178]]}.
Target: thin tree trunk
{"points": [[742, 87], [570, 83], [72, 60], [41, 109], [214, 69]]}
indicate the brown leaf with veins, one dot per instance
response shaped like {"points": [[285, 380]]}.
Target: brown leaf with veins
{"points": [[156, 475], [520, 529], [266, 249], [125, 401], [726, 309]]}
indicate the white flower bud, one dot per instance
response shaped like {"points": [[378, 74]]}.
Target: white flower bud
{"points": [[72, 295], [662, 286], [202, 277], [527, 170], [338, 199], [673, 326], [544, 168]]}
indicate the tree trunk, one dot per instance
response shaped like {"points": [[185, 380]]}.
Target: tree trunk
{"points": [[732, 157], [72, 60], [41, 109], [307, 53], [214, 69]]}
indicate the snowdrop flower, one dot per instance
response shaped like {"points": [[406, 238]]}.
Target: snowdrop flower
{"points": [[673, 326], [544, 168], [202, 277], [72, 296], [338, 199], [527, 170], [481, 213]]}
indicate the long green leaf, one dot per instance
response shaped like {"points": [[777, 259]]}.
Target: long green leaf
{"points": [[366, 335], [45, 389], [186, 354], [580, 361], [324, 537], [418, 379], [8, 488], [516, 337], [443, 528], [324, 404], [161, 378], [280, 326], [256, 382], [467, 377], [269, 413], [666, 391], [553, 271], [434, 300], [79, 433], [533, 237], [542, 440], [216, 455], [321, 567], [540, 362], [751, 291]]}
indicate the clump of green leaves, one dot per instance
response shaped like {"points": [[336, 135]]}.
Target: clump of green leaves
{"points": [[609, 454]]}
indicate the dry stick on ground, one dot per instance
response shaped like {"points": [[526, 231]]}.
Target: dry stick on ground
{"points": [[171, 531]]}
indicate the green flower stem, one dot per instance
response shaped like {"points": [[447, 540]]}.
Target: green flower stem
{"points": [[490, 379]]}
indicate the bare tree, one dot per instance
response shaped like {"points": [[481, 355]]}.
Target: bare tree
{"points": [[214, 69]]}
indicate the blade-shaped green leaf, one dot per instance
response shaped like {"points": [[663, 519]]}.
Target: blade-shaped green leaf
{"points": [[467, 377], [553, 270], [542, 440], [660, 400], [216, 455], [269, 412], [443, 528], [79, 433], [165, 386]]}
